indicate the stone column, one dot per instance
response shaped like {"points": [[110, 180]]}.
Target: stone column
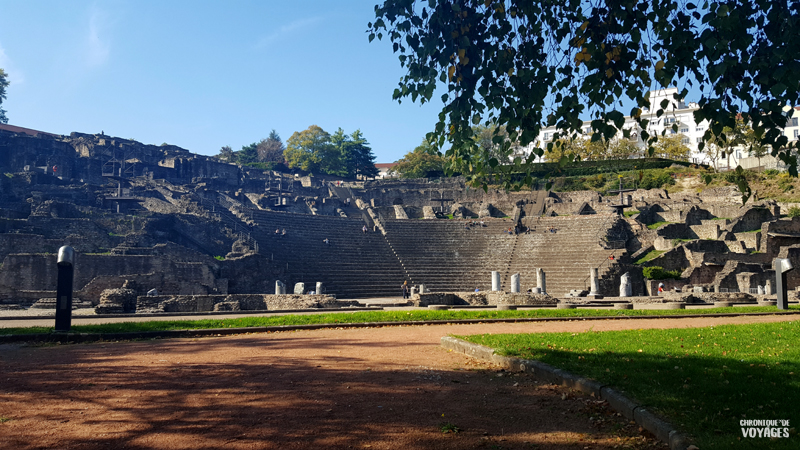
{"points": [[495, 280], [625, 288], [421, 288], [540, 281], [280, 288], [768, 287], [593, 282], [319, 288], [299, 288], [515, 283], [413, 291], [760, 290]]}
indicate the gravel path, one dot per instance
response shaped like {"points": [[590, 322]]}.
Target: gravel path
{"points": [[378, 388]]}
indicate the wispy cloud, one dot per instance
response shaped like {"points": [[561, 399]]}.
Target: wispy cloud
{"points": [[285, 31], [15, 76], [98, 45]]}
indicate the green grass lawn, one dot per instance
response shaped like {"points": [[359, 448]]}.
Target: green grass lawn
{"points": [[650, 255], [654, 226], [703, 380], [376, 316]]}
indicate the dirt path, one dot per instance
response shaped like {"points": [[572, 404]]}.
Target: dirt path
{"points": [[379, 388]]}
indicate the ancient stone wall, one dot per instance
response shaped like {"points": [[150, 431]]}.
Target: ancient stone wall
{"points": [[37, 272], [752, 219], [710, 229], [675, 231], [254, 302]]}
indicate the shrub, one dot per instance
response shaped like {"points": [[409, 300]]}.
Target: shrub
{"points": [[794, 211], [771, 172], [658, 273], [652, 180]]}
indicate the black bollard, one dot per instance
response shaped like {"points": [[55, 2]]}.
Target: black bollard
{"points": [[781, 266], [66, 266]]}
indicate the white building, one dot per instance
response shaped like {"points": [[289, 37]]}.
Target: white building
{"points": [[677, 112]]}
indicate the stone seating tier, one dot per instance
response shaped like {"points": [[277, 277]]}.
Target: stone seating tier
{"points": [[441, 254], [354, 264], [446, 257]]}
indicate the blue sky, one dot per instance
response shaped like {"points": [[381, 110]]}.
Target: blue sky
{"points": [[202, 74]]}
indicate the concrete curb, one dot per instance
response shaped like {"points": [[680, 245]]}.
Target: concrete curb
{"points": [[632, 410]]}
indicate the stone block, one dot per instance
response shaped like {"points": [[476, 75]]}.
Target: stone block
{"points": [[495, 280], [673, 305], [625, 286], [299, 288]]}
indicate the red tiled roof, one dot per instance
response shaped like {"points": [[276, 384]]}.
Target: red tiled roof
{"points": [[385, 165], [28, 131]]}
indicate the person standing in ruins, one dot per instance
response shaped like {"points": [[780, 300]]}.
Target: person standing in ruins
{"points": [[404, 287]]}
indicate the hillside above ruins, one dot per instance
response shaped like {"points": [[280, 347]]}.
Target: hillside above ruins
{"points": [[161, 218]]}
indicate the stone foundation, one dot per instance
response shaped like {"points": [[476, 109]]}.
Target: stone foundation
{"points": [[236, 302], [482, 299]]}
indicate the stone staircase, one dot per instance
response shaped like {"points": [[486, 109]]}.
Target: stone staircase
{"points": [[445, 256], [353, 265]]}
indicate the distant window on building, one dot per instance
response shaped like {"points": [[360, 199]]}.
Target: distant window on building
{"points": [[794, 121], [795, 134], [699, 140], [655, 121], [547, 136], [698, 129], [685, 141], [670, 120], [738, 155], [685, 130]]}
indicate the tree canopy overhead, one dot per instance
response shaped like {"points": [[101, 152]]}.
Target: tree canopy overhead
{"points": [[525, 64], [3, 85]]}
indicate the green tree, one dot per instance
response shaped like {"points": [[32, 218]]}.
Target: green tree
{"points": [[722, 145], [752, 143], [671, 146], [226, 154], [423, 161], [311, 150], [271, 149], [355, 154], [3, 85], [623, 149], [247, 155], [525, 64], [563, 150]]}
